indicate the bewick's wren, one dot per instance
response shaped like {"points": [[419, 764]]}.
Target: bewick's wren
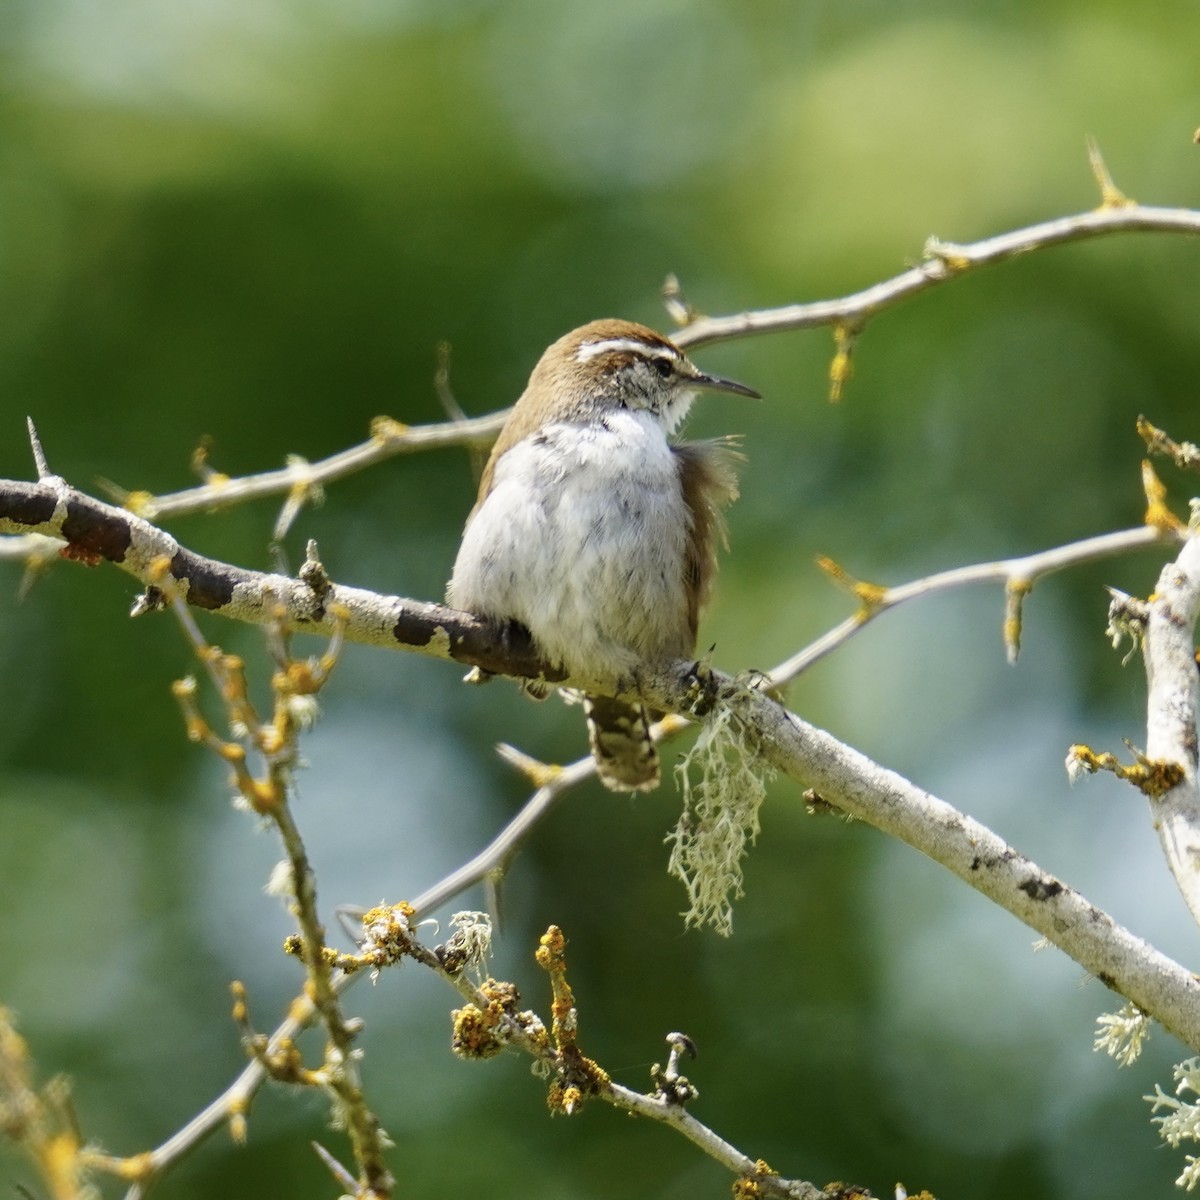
{"points": [[594, 531]]}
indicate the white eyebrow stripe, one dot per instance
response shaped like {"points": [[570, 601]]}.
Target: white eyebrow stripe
{"points": [[633, 345]]}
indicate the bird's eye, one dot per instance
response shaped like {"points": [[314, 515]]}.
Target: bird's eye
{"points": [[664, 367]]}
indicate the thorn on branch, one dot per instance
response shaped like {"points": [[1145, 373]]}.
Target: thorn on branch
{"points": [[441, 385], [200, 465], [452, 408], [39, 455], [870, 595], [313, 574], [676, 303], [1111, 196], [139, 502], [1158, 515], [817, 806], [304, 490], [841, 368], [341, 1176], [1015, 591], [38, 554], [538, 773], [237, 1113]]}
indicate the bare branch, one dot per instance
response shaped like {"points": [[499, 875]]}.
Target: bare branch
{"points": [[388, 439], [1017, 574], [94, 532], [943, 261]]}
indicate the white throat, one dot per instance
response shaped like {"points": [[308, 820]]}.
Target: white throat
{"points": [[676, 409]]}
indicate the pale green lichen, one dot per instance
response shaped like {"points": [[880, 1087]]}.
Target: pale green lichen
{"points": [[472, 937], [1182, 1120], [1121, 1034], [723, 782]]}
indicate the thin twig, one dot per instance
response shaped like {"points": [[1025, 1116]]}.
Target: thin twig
{"points": [[388, 439], [1017, 574], [943, 261], [276, 741]]}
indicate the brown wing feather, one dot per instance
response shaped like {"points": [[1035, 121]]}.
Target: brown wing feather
{"points": [[708, 473]]}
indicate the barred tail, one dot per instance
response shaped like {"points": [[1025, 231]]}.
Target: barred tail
{"points": [[619, 733]]}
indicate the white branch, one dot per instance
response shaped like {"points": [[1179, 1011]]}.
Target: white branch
{"points": [[1017, 574], [944, 261], [300, 478], [854, 783], [1174, 682]]}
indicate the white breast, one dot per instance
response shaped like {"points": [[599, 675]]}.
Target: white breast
{"points": [[582, 539]]}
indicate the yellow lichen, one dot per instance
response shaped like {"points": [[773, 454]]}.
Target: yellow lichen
{"points": [[1151, 777]]}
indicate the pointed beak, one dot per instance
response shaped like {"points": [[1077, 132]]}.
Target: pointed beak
{"points": [[717, 384]]}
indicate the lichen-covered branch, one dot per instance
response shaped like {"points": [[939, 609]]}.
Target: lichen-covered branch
{"points": [[850, 781], [275, 741]]}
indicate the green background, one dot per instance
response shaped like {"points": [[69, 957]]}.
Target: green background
{"points": [[256, 222]]}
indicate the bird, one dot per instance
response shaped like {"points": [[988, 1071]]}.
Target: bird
{"points": [[597, 532]]}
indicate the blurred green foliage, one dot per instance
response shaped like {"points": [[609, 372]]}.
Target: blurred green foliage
{"points": [[256, 222]]}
